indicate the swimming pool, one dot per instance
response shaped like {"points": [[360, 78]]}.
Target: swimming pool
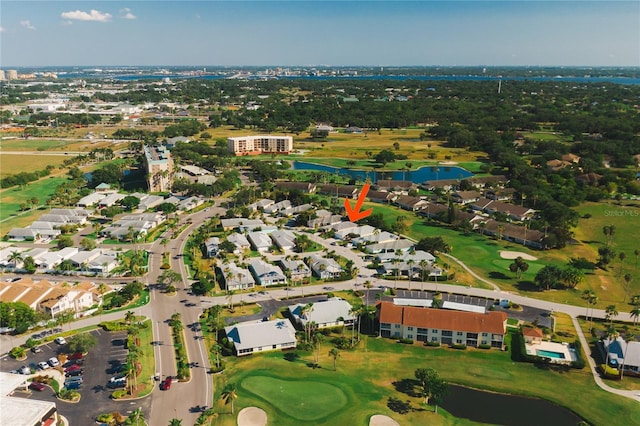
{"points": [[549, 354]]}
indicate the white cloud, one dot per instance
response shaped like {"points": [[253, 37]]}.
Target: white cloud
{"points": [[126, 14], [93, 15], [2, 29], [27, 24]]}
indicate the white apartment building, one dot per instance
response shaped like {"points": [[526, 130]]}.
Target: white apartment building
{"points": [[263, 144]]}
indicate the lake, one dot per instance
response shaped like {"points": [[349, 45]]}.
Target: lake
{"points": [[426, 173], [503, 409]]}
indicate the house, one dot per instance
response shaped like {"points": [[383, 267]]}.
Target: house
{"points": [[348, 191], [91, 199], [443, 326], [276, 207], [410, 203], [252, 337], [324, 268], [294, 210], [481, 204], [250, 224], [325, 220], [110, 200], [45, 229], [50, 260], [285, 240], [342, 229], [376, 237], [237, 278], [623, 355], [240, 241], [571, 158], [266, 274], [296, 268], [500, 194], [61, 299], [401, 244], [103, 187], [106, 262], [148, 201], [23, 234], [389, 185], [555, 165], [211, 246], [382, 197], [409, 263], [532, 336], [465, 197], [260, 241], [20, 411], [190, 203], [304, 187], [82, 258], [260, 204], [333, 312], [357, 232], [515, 233], [514, 212]]}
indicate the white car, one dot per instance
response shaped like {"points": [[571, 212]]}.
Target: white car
{"points": [[53, 361], [60, 341], [43, 365]]}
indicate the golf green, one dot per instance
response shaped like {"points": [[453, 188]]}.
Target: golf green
{"points": [[302, 400]]}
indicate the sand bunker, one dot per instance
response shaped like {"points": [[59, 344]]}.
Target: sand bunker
{"points": [[380, 420], [505, 254], [252, 416]]}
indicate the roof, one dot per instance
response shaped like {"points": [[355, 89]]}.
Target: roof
{"points": [[441, 319], [532, 332], [261, 334], [327, 311]]}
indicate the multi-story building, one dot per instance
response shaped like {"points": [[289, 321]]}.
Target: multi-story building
{"points": [[446, 327], [12, 74], [263, 144], [158, 166]]}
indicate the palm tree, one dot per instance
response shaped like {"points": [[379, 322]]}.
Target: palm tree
{"points": [[395, 262], [611, 312], [424, 266], [175, 422], [410, 263], [229, 297], [129, 316], [229, 394], [335, 353], [612, 335], [628, 338], [627, 280], [635, 313], [15, 257], [137, 415]]}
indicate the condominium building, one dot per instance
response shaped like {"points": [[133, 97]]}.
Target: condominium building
{"points": [[253, 145], [158, 166]]}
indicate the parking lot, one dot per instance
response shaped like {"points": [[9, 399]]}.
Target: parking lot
{"points": [[98, 369]]}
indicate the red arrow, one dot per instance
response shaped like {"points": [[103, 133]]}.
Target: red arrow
{"points": [[355, 214]]}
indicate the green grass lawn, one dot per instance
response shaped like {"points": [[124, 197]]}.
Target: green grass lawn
{"points": [[365, 378], [147, 359], [11, 198]]}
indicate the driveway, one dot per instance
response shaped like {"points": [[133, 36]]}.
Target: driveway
{"points": [[272, 306]]}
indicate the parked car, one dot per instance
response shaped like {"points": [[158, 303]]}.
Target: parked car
{"points": [[60, 341], [74, 362], [36, 350], [69, 380], [37, 386], [117, 385], [43, 365], [166, 384], [24, 370], [118, 378], [74, 385], [74, 373], [73, 357], [72, 367], [53, 361]]}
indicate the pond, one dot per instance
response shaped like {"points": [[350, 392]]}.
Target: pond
{"points": [[502, 409], [426, 173]]}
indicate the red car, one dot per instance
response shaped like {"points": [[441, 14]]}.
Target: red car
{"points": [[72, 368], [166, 384], [77, 355], [37, 386]]}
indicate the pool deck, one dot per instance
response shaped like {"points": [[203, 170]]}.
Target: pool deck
{"points": [[563, 348]]}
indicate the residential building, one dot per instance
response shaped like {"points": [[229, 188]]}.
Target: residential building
{"points": [[237, 278], [20, 411], [304, 187], [401, 244], [401, 186], [349, 191], [23, 234], [260, 241], [298, 271], [276, 207], [324, 268], [253, 337], [623, 355], [211, 246], [284, 239], [333, 312], [158, 166], [240, 241], [91, 199], [443, 326], [532, 336], [250, 224], [410, 203], [110, 200], [465, 197], [382, 196], [266, 274], [260, 204], [263, 144]]}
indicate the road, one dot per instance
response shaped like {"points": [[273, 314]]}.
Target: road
{"points": [[198, 392]]}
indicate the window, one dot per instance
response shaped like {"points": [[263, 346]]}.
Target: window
{"points": [[458, 341], [396, 326], [410, 336], [423, 330], [485, 334], [385, 326], [459, 333], [447, 333], [410, 328]]}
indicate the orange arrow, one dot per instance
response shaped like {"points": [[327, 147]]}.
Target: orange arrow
{"points": [[355, 214]]}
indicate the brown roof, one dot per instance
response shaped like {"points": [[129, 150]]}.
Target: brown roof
{"points": [[442, 319], [300, 186], [380, 195], [507, 208], [466, 195], [532, 332], [388, 183], [53, 297]]}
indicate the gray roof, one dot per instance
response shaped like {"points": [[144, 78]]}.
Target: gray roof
{"points": [[283, 238], [324, 312], [259, 239], [266, 270], [293, 265], [261, 334], [239, 240]]}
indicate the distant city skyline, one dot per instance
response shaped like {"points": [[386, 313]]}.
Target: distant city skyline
{"points": [[308, 33]]}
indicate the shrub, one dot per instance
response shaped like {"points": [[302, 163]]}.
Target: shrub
{"points": [[406, 341], [17, 352], [433, 344], [42, 379], [459, 346], [484, 346], [105, 418], [609, 372], [118, 393], [165, 266], [579, 363]]}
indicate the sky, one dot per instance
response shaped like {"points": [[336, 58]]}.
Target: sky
{"points": [[319, 32]]}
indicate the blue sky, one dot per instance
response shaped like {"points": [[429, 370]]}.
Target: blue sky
{"points": [[41, 33]]}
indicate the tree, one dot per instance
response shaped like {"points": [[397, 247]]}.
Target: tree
{"points": [[628, 338], [169, 277], [548, 277], [130, 202], [610, 313], [229, 394], [82, 342], [64, 241], [137, 416], [572, 276], [335, 353], [433, 245], [627, 281], [635, 314], [609, 231], [175, 422], [519, 266], [87, 244], [605, 256], [15, 257], [432, 386], [385, 156], [129, 317]]}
